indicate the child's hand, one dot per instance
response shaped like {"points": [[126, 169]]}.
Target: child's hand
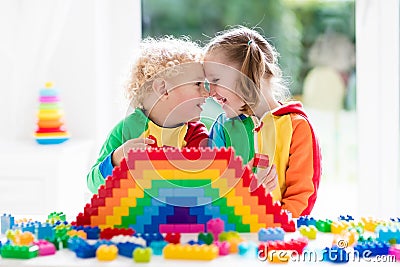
{"points": [[119, 153], [267, 177]]}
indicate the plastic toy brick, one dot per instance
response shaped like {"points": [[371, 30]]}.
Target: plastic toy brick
{"points": [[305, 220], [207, 238], [80, 233], [188, 252], [142, 255], [346, 218], [346, 239], [370, 223], [215, 226], [27, 227], [148, 237], [24, 239], [75, 242], [324, 225], [45, 248], [388, 233], [60, 242], [57, 216], [279, 256], [261, 160], [248, 249], [395, 251], [19, 252], [7, 222], [91, 232], [174, 238], [126, 249], [158, 246], [45, 230], [155, 141], [101, 242], [271, 234], [396, 220], [138, 240], [106, 253], [234, 244], [335, 255], [371, 249], [359, 225], [339, 226], [294, 244], [308, 231], [85, 251], [108, 233], [223, 247], [226, 236]]}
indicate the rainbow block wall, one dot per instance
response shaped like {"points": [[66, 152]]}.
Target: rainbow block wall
{"points": [[179, 190]]}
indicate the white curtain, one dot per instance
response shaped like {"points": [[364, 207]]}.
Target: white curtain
{"points": [[81, 46], [31, 31], [378, 68]]}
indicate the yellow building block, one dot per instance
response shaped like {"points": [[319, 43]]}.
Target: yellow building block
{"points": [[279, 256], [190, 252], [338, 227], [107, 253], [308, 231]]}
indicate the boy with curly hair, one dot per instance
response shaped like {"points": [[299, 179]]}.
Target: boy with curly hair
{"points": [[166, 90]]}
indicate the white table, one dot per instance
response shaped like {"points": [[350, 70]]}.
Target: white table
{"points": [[67, 258]]}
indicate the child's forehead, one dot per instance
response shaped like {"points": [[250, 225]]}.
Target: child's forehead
{"points": [[189, 72], [220, 69]]}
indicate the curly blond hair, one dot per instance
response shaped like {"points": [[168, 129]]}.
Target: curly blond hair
{"points": [[156, 56]]}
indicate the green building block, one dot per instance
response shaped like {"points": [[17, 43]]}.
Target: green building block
{"points": [[142, 254], [324, 226], [19, 252]]}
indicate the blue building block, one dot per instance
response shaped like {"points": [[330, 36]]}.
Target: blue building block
{"points": [[85, 251], [371, 249], [271, 234], [7, 223], [28, 227], [335, 255], [306, 220], [388, 233], [158, 246], [103, 242], [150, 237], [45, 231], [194, 242], [182, 201], [92, 232], [126, 249], [346, 218], [152, 228], [248, 249], [75, 243]]}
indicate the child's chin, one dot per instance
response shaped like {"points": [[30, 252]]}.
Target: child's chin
{"points": [[196, 118]]}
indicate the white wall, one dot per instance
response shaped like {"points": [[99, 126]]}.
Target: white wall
{"points": [[82, 46]]}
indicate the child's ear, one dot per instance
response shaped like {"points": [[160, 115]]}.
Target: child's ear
{"points": [[160, 87]]}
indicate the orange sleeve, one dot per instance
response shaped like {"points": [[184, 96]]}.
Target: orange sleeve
{"points": [[299, 174]]}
